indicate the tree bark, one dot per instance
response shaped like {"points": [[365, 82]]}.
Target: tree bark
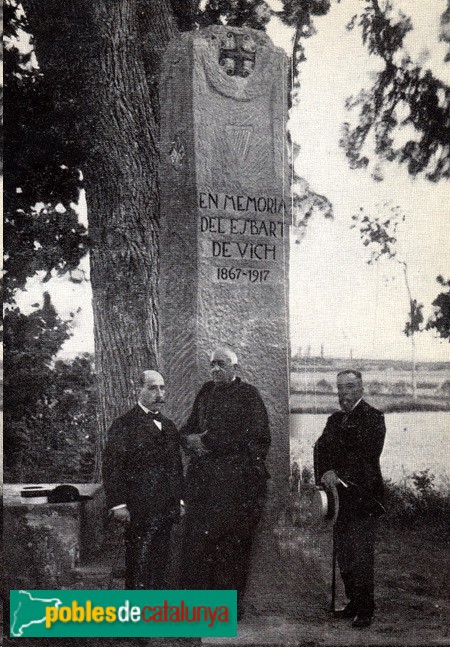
{"points": [[103, 58]]}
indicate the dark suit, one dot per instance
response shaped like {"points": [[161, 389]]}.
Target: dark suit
{"points": [[225, 489], [351, 445], [142, 468]]}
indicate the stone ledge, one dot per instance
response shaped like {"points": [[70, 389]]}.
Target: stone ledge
{"points": [[55, 538]]}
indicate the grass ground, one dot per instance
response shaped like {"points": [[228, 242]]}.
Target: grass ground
{"points": [[289, 593]]}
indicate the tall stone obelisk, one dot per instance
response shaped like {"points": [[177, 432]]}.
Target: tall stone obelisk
{"points": [[225, 216]]}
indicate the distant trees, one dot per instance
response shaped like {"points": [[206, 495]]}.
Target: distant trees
{"points": [[440, 320], [375, 387], [379, 234], [323, 386], [49, 405]]}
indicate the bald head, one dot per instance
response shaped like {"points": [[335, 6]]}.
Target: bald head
{"points": [[223, 362], [145, 376], [152, 391]]}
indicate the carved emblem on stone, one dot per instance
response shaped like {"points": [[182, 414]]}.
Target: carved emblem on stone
{"points": [[177, 153], [237, 54], [238, 138], [238, 62]]}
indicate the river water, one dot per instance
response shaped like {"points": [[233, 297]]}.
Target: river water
{"points": [[415, 441]]}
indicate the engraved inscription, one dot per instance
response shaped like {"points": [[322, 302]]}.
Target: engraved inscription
{"points": [[243, 236], [225, 202], [242, 275], [241, 250], [242, 226]]}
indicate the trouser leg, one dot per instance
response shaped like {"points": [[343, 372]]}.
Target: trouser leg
{"points": [[146, 556], [216, 562], [196, 558], [232, 563], [355, 547]]}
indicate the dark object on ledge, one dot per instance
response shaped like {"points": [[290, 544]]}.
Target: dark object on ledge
{"points": [[66, 494]]}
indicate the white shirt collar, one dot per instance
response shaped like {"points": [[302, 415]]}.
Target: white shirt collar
{"points": [[158, 423], [143, 407], [356, 404], [146, 409]]}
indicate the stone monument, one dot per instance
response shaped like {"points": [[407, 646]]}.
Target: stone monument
{"points": [[225, 216]]}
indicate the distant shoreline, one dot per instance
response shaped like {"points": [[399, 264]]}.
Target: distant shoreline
{"points": [[387, 385], [331, 364], [394, 408], [319, 403]]}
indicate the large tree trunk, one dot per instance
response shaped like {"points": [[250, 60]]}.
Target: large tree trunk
{"points": [[103, 57]]}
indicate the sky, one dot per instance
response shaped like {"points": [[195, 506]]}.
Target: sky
{"points": [[337, 300]]}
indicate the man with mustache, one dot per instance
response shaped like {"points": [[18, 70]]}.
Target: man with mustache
{"points": [[347, 455], [142, 476]]}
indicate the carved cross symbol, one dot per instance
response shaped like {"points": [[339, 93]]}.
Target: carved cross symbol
{"points": [[237, 54]]}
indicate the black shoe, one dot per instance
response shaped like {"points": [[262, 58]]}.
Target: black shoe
{"points": [[348, 611], [362, 621]]}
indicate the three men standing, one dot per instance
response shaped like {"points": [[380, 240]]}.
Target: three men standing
{"points": [[347, 455], [142, 476], [227, 438]]}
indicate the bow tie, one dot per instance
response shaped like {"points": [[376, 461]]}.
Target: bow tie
{"points": [[155, 415]]}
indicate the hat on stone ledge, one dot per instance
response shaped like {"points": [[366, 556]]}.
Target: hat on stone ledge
{"points": [[325, 504], [34, 494], [66, 494]]}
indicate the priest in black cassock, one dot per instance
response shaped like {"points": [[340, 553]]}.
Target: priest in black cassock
{"points": [[142, 477], [227, 438]]}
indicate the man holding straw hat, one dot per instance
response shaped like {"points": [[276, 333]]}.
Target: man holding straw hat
{"points": [[347, 458]]}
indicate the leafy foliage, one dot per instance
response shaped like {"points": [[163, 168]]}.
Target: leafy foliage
{"points": [[415, 320], [403, 95], [440, 320], [49, 406], [377, 233], [40, 238], [236, 13], [306, 204], [41, 179], [418, 503], [300, 15], [380, 235]]}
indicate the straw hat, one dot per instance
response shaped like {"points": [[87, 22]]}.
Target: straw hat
{"points": [[34, 494], [325, 504]]}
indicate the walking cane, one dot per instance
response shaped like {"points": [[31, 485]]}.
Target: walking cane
{"points": [[120, 542], [333, 579]]}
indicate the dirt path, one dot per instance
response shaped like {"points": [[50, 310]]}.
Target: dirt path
{"points": [[292, 608], [411, 590]]}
